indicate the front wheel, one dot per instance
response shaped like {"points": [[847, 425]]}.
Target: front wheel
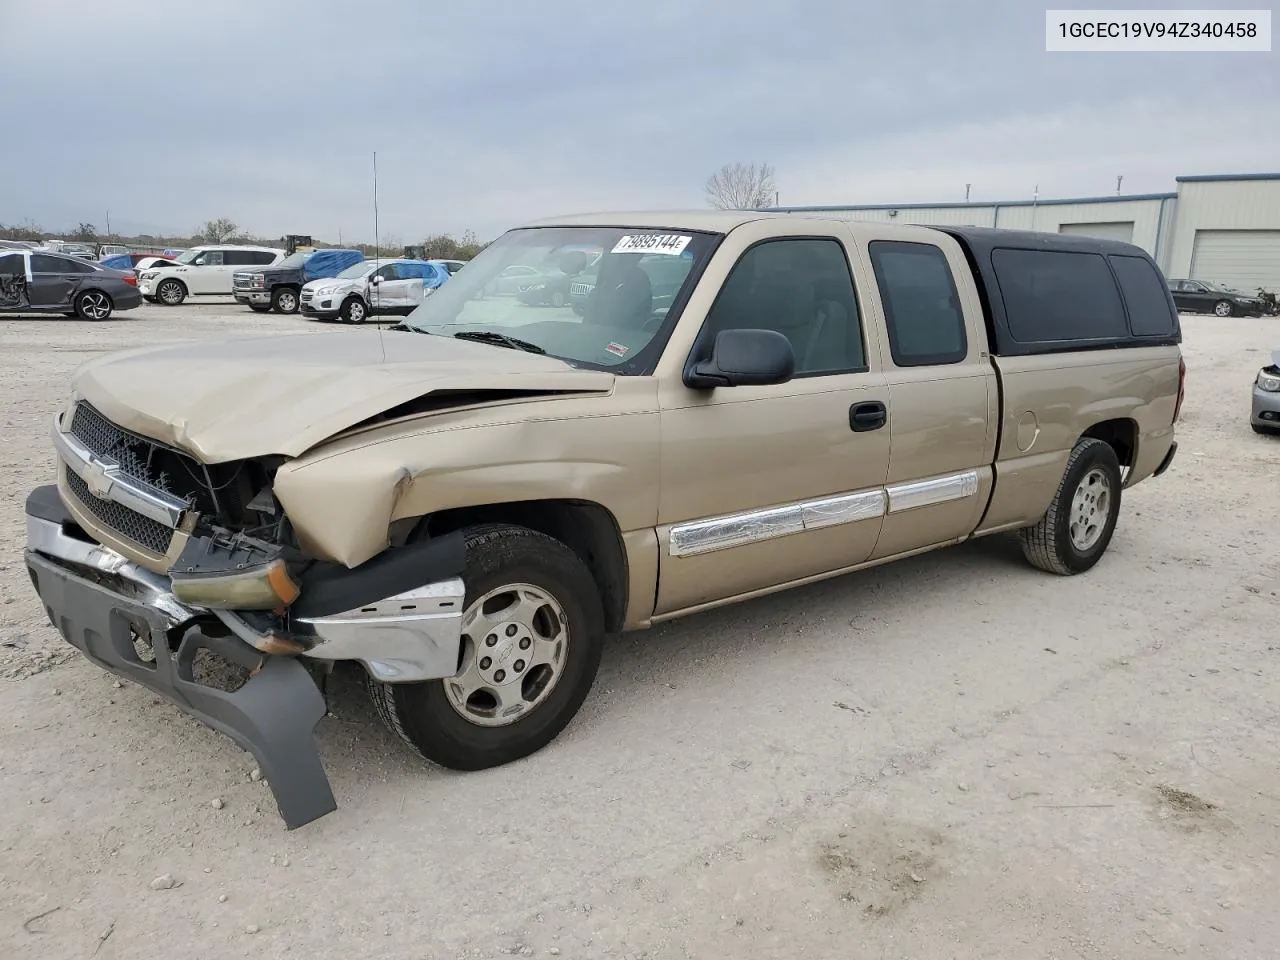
{"points": [[171, 292], [1076, 529], [533, 632], [1223, 308], [93, 305], [353, 310], [284, 300]]}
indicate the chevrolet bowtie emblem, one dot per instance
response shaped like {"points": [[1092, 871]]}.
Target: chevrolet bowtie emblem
{"points": [[96, 479]]}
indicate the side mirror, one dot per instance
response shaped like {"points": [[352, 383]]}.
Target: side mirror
{"points": [[745, 358], [375, 280]]}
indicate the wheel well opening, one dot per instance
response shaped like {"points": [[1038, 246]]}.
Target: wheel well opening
{"points": [[1121, 435], [586, 528]]}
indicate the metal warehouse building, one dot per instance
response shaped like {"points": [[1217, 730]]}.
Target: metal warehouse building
{"points": [[1220, 228]]}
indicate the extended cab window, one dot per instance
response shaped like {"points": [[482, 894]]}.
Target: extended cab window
{"points": [[801, 288], [1056, 295], [921, 305], [1145, 296]]}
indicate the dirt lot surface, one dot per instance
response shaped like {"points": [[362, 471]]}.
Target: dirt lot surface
{"points": [[951, 757]]}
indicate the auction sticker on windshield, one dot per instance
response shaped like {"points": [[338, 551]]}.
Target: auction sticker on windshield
{"points": [[668, 243]]}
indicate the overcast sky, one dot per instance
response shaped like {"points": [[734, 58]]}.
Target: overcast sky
{"points": [[487, 113]]}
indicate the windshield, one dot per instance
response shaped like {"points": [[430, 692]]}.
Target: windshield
{"points": [[540, 285], [357, 270]]}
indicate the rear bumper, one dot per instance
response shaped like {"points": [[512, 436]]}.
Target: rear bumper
{"points": [[1168, 459], [124, 618], [127, 299]]}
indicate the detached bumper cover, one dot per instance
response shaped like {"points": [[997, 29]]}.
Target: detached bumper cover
{"points": [[124, 618]]}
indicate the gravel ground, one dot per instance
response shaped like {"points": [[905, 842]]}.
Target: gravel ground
{"points": [[950, 757]]}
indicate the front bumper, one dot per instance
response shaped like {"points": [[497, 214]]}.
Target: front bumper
{"points": [[1266, 408], [260, 297], [147, 288], [126, 620]]}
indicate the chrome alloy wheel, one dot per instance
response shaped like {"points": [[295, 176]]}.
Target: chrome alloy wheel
{"points": [[1090, 508], [515, 645], [95, 305]]}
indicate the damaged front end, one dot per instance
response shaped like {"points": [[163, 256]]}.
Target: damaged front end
{"points": [[148, 561]]}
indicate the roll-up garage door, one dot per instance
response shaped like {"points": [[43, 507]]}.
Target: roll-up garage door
{"points": [[1245, 259], [1118, 230]]}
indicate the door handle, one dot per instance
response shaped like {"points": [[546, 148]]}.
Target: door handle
{"points": [[871, 415]]}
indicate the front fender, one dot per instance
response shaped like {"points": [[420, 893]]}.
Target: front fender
{"points": [[342, 503]]}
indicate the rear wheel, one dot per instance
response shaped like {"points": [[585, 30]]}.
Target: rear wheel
{"points": [[1076, 529], [171, 292], [533, 632], [353, 310], [285, 300], [93, 305]]}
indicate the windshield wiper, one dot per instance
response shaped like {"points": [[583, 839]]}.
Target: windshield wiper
{"points": [[498, 340], [405, 327]]}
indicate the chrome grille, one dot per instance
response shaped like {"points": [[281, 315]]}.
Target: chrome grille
{"points": [[580, 289], [242, 279], [134, 453], [307, 295], [148, 534]]}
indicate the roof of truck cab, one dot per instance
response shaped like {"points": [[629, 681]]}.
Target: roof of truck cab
{"points": [[980, 239], [714, 221]]}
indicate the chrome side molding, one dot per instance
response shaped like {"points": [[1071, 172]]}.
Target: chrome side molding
{"points": [[753, 526]]}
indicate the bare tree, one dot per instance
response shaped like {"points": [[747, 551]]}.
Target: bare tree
{"points": [[87, 232], [221, 230], [741, 186]]}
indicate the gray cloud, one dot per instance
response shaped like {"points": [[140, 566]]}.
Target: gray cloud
{"points": [[485, 114]]}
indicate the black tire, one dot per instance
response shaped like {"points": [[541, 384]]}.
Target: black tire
{"points": [[1049, 545], [285, 300], [1223, 308], [354, 310], [421, 713], [260, 308], [93, 305], [171, 292]]}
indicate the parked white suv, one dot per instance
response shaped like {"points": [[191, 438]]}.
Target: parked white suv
{"points": [[202, 272], [373, 288]]}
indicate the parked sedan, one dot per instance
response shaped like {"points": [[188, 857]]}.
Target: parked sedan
{"points": [[1200, 296], [37, 282]]}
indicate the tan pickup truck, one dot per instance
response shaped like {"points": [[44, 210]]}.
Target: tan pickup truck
{"points": [[468, 503]]}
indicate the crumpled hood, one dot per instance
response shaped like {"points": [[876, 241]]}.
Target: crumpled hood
{"points": [[232, 399]]}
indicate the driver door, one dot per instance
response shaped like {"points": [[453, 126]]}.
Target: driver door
{"points": [[383, 288], [208, 274], [768, 485]]}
